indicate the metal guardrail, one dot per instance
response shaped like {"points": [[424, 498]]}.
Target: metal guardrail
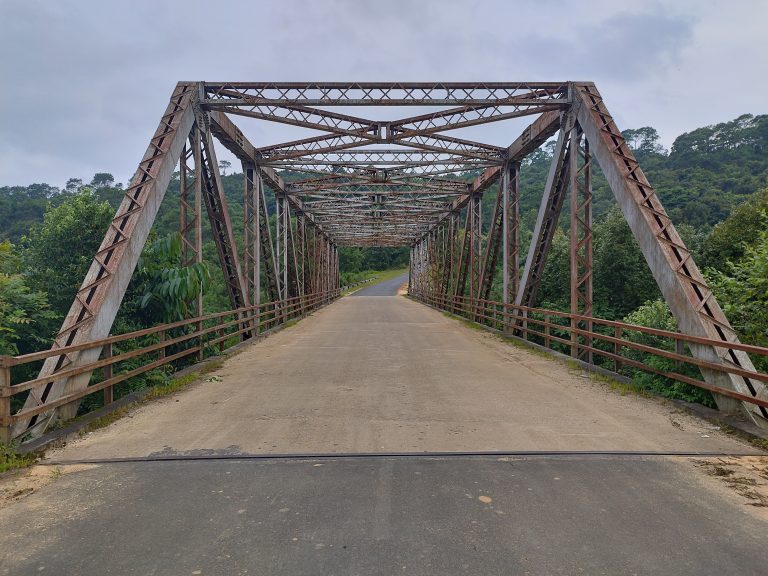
{"points": [[201, 336], [587, 337]]}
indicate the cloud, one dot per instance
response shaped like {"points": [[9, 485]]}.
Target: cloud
{"points": [[84, 82]]}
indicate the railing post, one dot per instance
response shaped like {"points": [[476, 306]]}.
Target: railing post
{"points": [[679, 349], [109, 391], [525, 324], [547, 339], [617, 332], [221, 340], [201, 345], [574, 324], [5, 401], [162, 340]]}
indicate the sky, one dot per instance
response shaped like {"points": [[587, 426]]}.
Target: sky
{"points": [[83, 83]]}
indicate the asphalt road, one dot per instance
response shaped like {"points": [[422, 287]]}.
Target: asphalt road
{"points": [[385, 288], [382, 516]]}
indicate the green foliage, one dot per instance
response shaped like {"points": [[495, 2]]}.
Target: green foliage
{"points": [[61, 248], [742, 291], [21, 309], [166, 288], [729, 238], [622, 280], [656, 314], [555, 292], [12, 460], [644, 141], [357, 259]]}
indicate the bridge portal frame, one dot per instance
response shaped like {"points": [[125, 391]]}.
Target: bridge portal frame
{"points": [[369, 182]]}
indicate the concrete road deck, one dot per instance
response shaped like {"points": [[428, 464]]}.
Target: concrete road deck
{"points": [[386, 374]]}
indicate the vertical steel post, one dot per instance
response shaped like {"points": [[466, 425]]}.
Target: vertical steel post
{"points": [[580, 177], [281, 248], [300, 248], [475, 249], [190, 211], [252, 238], [410, 272], [506, 241], [257, 195]]}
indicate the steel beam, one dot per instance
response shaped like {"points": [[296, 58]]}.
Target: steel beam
{"points": [[221, 225], [682, 284], [546, 220], [98, 299], [580, 236], [510, 233]]}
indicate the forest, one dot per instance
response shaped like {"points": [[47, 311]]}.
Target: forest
{"points": [[713, 182]]}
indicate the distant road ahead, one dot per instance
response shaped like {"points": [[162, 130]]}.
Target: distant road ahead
{"points": [[385, 288]]}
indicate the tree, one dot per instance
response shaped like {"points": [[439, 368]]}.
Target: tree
{"points": [[102, 180], [224, 165], [656, 314], [73, 185], [161, 289], [742, 290], [730, 238], [350, 259], [61, 248], [24, 313], [644, 141], [622, 279]]}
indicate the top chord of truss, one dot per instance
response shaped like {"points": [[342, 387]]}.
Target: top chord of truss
{"points": [[388, 93]]}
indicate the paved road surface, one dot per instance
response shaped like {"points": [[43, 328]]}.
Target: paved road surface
{"points": [[385, 288], [382, 516], [385, 374]]}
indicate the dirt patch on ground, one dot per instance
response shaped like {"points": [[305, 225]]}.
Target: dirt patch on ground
{"points": [[18, 485], [746, 477]]}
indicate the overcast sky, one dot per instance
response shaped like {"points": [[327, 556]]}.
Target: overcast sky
{"points": [[84, 83]]}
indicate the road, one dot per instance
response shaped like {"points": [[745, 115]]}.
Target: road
{"points": [[385, 288], [383, 516], [371, 375]]}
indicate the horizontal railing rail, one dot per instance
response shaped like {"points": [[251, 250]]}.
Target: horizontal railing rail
{"points": [[583, 336], [201, 336]]}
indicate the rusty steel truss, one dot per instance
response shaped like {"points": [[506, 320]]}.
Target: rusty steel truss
{"points": [[357, 180]]}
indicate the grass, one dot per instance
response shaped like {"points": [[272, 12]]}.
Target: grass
{"points": [[106, 420], [11, 460], [761, 443], [173, 386], [158, 391], [212, 365], [466, 322], [623, 388]]}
